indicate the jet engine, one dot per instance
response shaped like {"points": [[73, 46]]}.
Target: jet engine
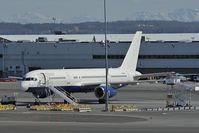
{"points": [[100, 92]]}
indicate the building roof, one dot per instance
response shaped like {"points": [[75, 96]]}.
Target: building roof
{"points": [[100, 37]]}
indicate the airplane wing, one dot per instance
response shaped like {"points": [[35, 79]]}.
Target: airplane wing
{"points": [[89, 84], [190, 76], [145, 78], [154, 75]]}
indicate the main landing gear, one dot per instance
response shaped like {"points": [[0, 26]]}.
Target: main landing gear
{"points": [[102, 101]]}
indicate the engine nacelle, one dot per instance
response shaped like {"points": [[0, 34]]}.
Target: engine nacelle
{"points": [[100, 92]]}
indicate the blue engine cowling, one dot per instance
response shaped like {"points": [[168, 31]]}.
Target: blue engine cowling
{"points": [[100, 92]]}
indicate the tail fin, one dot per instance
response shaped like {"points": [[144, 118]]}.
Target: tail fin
{"points": [[131, 58]]}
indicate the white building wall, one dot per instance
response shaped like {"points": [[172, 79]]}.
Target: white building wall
{"points": [[19, 57]]}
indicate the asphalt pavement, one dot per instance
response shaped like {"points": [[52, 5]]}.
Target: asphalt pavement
{"points": [[23, 120]]}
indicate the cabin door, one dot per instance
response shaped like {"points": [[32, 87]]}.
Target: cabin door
{"points": [[42, 79]]}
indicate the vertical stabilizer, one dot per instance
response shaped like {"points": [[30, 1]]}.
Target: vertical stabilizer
{"points": [[131, 58]]}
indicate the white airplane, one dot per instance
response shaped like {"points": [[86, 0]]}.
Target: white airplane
{"points": [[86, 80]]}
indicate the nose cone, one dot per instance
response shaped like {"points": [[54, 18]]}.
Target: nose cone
{"points": [[24, 85]]}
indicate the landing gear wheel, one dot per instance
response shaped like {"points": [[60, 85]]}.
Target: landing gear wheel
{"points": [[101, 101], [37, 102]]}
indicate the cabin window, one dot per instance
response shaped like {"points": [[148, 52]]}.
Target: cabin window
{"points": [[30, 79]]}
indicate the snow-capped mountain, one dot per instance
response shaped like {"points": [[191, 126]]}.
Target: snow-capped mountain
{"points": [[149, 16], [30, 17], [185, 15]]}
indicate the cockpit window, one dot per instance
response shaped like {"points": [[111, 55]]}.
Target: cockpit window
{"points": [[30, 79]]}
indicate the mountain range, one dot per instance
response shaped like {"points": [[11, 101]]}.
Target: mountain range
{"points": [[182, 15]]}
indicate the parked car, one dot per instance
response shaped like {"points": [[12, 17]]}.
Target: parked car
{"points": [[8, 100]]}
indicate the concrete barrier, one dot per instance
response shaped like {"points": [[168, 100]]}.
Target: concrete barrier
{"points": [[63, 107], [52, 107], [7, 107], [160, 109], [124, 108], [171, 109], [82, 108]]}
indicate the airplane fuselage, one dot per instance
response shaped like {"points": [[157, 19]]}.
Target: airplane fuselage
{"points": [[72, 79]]}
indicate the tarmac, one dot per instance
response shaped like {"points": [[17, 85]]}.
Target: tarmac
{"points": [[23, 120]]}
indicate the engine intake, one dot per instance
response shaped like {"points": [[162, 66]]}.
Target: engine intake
{"points": [[100, 92]]}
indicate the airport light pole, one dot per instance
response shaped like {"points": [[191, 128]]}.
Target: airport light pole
{"points": [[3, 58], [106, 58], [23, 61]]}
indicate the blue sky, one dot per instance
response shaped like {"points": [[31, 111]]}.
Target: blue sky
{"points": [[82, 10]]}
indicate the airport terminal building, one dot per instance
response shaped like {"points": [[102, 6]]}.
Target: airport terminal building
{"points": [[159, 52]]}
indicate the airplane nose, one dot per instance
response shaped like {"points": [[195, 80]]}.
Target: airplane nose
{"points": [[24, 86]]}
